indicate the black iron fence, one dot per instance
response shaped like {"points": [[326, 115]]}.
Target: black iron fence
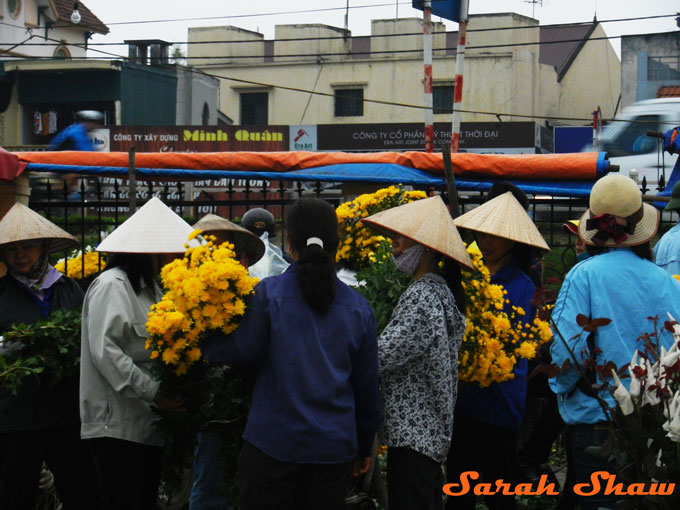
{"points": [[90, 207]]}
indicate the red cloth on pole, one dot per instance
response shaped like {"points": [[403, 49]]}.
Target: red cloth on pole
{"points": [[10, 165]]}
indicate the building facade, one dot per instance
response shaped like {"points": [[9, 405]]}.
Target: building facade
{"points": [[650, 66], [515, 70]]}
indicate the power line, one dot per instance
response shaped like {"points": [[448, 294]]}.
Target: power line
{"points": [[378, 36], [314, 56]]}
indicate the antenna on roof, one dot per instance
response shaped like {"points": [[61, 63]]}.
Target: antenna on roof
{"points": [[533, 6]]}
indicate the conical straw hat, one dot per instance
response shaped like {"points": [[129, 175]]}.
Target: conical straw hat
{"points": [[503, 216], [244, 240], [154, 228], [427, 222], [23, 224]]}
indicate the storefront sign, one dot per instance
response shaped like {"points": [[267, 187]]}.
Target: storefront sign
{"points": [[198, 138], [398, 137], [303, 138]]}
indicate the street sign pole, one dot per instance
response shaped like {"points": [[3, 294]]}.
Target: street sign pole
{"points": [[458, 80], [427, 59]]}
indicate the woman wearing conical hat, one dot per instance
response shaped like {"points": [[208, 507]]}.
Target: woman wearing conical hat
{"points": [[487, 419], [39, 424], [418, 350], [209, 489], [117, 390]]}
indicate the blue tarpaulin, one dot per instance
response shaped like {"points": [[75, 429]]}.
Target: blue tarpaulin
{"points": [[380, 173]]}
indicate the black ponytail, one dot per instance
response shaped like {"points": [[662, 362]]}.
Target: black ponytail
{"points": [[312, 219]]}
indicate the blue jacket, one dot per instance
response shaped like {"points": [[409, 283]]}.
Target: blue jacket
{"points": [[316, 397], [73, 138], [502, 404], [667, 251], [616, 285]]}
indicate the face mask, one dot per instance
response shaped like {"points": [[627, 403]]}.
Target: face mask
{"points": [[407, 261]]}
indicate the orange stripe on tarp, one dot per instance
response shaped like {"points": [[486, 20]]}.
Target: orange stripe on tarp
{"points": [[578, 166]]}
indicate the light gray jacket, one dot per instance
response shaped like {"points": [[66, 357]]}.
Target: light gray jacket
{"points": [[116, 387]]}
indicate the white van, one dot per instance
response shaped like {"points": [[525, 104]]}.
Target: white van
{"points": [[626, 142]]}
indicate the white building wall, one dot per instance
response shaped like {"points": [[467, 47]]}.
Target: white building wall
{"points": [[497, 78], [17, 30]]}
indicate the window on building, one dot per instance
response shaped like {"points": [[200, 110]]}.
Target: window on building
{"points": [[663, 68], [62, 52], [205, 115], [254, 108], [442, 98], [629, 138], [14, 8], [349, 102]]}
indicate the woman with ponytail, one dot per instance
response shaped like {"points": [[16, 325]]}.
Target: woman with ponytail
{"points": [[310, 343], [418, 351]]}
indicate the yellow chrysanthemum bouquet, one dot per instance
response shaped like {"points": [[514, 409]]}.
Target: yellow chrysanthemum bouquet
{"points": [[370, 254], [204, 290], [494, 339], [359, 246], [82, 264]]}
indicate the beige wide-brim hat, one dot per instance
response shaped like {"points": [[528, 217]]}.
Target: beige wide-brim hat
{"points": [[619, 196], [154, 228], [503, 216], [244, 240], [23, 224], [426, 222]]}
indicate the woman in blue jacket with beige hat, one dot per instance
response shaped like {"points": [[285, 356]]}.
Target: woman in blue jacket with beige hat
{"points": [[620, 283]]}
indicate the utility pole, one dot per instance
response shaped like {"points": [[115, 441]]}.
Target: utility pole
{"points": [[458, 80], [427, 81]]}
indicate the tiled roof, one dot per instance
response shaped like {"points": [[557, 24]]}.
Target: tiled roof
{"points": [[561, 54], [668, 91], [65, 8]]}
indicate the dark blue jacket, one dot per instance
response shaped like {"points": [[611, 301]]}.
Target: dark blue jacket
{"points": [[37, 407], [316, 397]]}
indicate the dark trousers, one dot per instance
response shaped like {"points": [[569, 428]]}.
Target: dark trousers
{"points": [[129, 473], [486, 449], [68, 458], [414, 481], [267, 483], [584, 463]]}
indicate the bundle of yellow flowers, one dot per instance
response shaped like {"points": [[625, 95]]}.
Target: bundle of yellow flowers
{"points": [[494, 340], [81, 265], [359, 246], [204, 290]]}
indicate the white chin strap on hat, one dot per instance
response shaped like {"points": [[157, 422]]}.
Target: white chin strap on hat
{"points": [[315, 240]]}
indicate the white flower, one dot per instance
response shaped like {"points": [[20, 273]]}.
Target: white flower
{"points": [[649, 395], [673, 426], [669, 358], [635, 386], [622, 396]]}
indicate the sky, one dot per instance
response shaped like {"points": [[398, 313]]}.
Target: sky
{"points": [[262, 15]]}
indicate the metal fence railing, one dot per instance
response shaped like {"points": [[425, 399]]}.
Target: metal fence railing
{"points": [[90, 207]]}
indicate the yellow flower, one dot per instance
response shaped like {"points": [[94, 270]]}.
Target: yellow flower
{"points": [[495, 336], [205, 289], [358, 246]]}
